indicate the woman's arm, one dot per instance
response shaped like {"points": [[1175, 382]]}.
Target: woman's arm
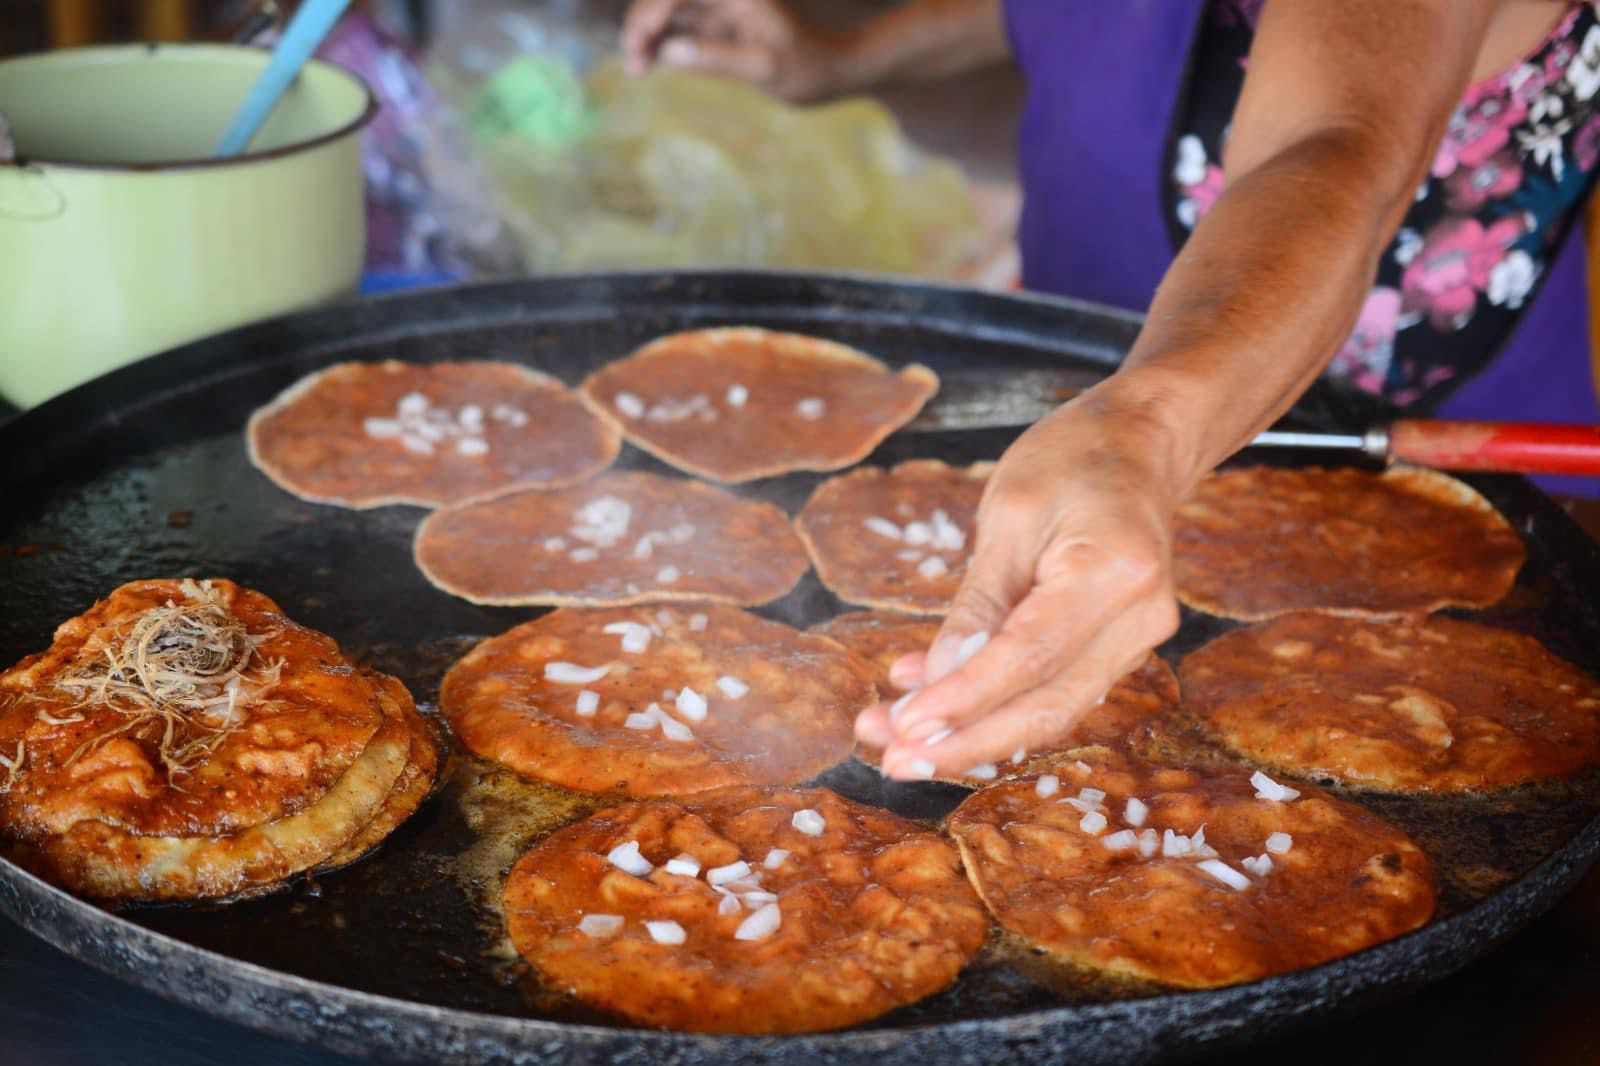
{"points": [[1342, 109], [765, 43]]}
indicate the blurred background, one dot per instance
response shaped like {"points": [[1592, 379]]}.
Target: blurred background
{"points": [[511, 143]]}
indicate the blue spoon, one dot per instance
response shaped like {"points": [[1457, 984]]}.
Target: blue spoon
{"points": [[302, 36]]}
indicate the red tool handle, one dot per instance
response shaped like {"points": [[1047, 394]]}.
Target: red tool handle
{"points": [[1511, 447]]}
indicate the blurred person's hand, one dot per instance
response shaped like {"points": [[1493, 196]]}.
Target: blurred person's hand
{"points": [[765, 43], [761, 42]]}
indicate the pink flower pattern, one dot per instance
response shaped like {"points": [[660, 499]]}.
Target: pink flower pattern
{"points": [[1485, 218], [1453, 267]]}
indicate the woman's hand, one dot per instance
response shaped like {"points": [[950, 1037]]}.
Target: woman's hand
{"points": [[1070, 577], [758, 41]]}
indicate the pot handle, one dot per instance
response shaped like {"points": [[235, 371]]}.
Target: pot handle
{"points": [[28, 194]]}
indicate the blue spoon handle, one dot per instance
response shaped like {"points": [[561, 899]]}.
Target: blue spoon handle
{"points": [[302, 36]]}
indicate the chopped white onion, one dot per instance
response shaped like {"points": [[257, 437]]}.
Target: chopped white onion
{"points": [[472, 446], [1148, 842], [1268, 789], [635, 637], [640, 720], [413, 403], [600, 925], [416, 445], [910, 556], [629, 404], [721, 875], [697, 622], [1280, 843], [1047, 786], [1082, 804], [922, 769], [761, 924], [1135, 812], [602, 521], [1092, 795], [684, 866], [732, 687], [555, 544], [947, 536], [626, 858], [1085, 767], [738, 395], [665, 932], [811, 408], [1092, 823], [917, 534], [1121, 840], [729, 904], [1019, 755], [691, 704], [1174, 845], [381, 428], [1224, 873], [673, 729], [573, 674], [583, 555], [972, 645], [755, 897], [775, 858], [471, 415], [883, 527], [645, 546], [588, 703], [982, 772], [932, 567], [668, 574], [1260, 865], [808, 822]]}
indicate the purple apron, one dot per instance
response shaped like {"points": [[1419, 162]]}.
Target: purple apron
{"points": [[1103, 79]]}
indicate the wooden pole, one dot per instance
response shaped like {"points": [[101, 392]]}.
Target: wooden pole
{"points": [[74, 22], [165, 20]]}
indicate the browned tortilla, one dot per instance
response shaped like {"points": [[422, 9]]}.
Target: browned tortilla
{"points": [[319, 762], [1258, 541], [1413, 705], [794, 721], [865, 567], [523, 548], [314, 439], [810, 404], [1348, 881], [874, 913]]}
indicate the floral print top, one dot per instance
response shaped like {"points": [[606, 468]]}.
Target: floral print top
{"points": [[1515, 164]]}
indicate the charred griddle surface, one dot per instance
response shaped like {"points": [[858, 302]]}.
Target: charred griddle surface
{"points": [[144, 474]]}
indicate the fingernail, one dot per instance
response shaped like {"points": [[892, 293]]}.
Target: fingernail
{"points": [[938, 738], [925, 731], [1102, 698], [969, 647], [898, 705], [921, 769], [678, 50], [1019, 755]]}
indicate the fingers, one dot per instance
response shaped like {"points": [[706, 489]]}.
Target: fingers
{"points": [[872, 726], [643, 28], [748, 62], [1041, 717], [1087, 589]]}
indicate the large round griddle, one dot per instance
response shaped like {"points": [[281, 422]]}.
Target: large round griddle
{"points": [[142, 473]]}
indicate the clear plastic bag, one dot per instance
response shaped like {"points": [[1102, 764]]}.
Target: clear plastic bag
{"points": [[551, 159]]}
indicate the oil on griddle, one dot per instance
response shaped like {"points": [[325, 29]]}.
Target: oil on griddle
{"points": [[167, 490]]}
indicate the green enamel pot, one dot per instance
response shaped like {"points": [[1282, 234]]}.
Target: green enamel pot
{"points": [[120, 236]]}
